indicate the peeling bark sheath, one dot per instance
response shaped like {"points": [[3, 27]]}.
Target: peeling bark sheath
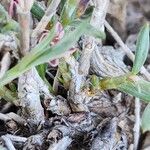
{"points": [[97, 20], [77, 96], [80, 70], [28, 93], [24, 21], [29, 84], [107, 58], [107, 139], [35, 141], [99, 13]]}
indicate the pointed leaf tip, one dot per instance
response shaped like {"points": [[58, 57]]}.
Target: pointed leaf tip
{"points": [[142, 48]]}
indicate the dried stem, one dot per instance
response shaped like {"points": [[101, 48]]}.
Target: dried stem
{"points": [[30, 97], [97, 20], [80, 70], [4, 117], [84, 62], [29, 94], [35, 141], [99, 13], [16, 118], [51, 10], [5, 63], [24, 21], [125, 48], [137, 123], [62, 144], [15, 138], [8, 143], [56, 82], [76, 83]]}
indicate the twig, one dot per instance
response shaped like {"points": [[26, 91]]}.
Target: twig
{"points": [[8, 143], [35, 141], [5, 63], [99, 13], [76, 83], [62, 144], [51, 10], [84, 62], [29, 94], [56, 81], [125, 48], [4, 117], [137, 123], [24, 20], [25, 5], [16, 118], [12, 116], [97, 20], [16, 138]]}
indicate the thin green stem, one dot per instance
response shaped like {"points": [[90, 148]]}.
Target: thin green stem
{"points": [[111, 83]]}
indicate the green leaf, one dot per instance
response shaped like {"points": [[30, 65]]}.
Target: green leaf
{"points": [[37, 11], [42, 72], [68, 11], [12, 87], [130, 84], [142, 48], [146, 119], [94, 81], [45, 42], [6, 23], [65, 73], [41, 53], [136, 87], [8, 95], [3, 15]]}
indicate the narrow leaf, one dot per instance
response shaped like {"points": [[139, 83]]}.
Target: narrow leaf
{"points": [[146, 119], [67, 14], [6, 23], [65, 73], [142, 48], [42, 73], [42, 55], [37, 11], [8, 95], [42, 70], [132, 86]]}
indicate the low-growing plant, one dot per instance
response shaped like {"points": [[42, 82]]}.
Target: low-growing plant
{"points": [[129, 83]]}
